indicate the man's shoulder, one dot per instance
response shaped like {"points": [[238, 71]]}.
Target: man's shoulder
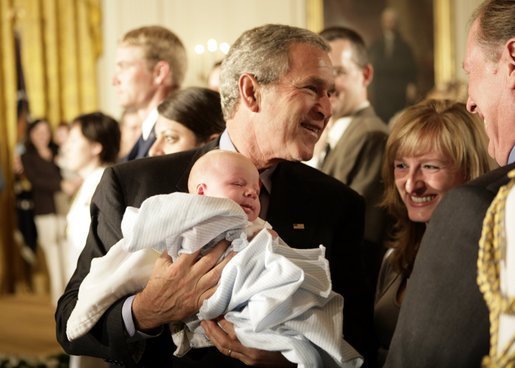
{"points": [[473, 198], [134, 181], [367, 121], [366, 128], [492, 180]]}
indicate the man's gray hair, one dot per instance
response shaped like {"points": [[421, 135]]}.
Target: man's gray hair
{"points": [[496, 25], [263, 52]]}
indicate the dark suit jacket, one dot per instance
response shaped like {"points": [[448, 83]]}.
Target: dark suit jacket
{"points": [[444, 320], [306, 208], [356, 161]]}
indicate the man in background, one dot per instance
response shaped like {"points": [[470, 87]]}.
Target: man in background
{"points": [[356, 137], [150, 63]]}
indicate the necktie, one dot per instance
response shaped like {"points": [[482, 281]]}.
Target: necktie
{"points": [[264, 199], [323, 155]]}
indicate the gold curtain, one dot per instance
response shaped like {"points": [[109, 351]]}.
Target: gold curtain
{"points": [[61, 41], [60, 45], [444, 59], [7, 141], [315, 15]]}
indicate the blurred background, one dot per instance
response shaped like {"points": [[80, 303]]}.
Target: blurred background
{"points": [[57, 58]]}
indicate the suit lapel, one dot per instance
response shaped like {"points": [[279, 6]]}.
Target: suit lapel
{"points": [[290, 208], [342, 147]]}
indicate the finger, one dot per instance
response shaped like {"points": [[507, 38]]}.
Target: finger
{"points": [[227, 327], [165, 257], [211, 257], [274, 233], [161, 265], [188, 259], [206, 295], [210, 329], [221, 340]]}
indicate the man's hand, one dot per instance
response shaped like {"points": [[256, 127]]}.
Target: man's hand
{"points": [[222, 335], [176, 290]]}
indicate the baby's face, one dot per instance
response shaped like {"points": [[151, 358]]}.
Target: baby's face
{"points": [[239, 182]]}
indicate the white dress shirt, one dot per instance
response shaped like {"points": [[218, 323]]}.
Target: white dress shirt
{"points": [[78, 219]]}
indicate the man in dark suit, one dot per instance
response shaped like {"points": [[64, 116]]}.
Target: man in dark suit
{"points": [[150, 64], [357, 137], [275, 90], [444, 320]]}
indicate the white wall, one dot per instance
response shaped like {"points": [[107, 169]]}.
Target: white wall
{"points": [[463, 10], [194, 21]]}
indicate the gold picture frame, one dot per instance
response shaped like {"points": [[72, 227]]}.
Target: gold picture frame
{"points": [[444, 39]]}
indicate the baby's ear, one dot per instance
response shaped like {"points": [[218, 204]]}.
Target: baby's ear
{"points": [[201, 189]]}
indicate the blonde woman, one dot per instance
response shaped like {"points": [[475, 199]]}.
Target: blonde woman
{"points": [[433, 146]]}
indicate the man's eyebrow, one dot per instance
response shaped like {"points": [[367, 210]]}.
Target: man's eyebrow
{"points": [[327, 85], [318, 81]]}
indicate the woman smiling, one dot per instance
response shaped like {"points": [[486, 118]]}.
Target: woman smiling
{"points": [[433, 147]]}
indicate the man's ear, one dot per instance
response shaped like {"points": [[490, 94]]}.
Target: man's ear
{"points": [[162, 72], [201, 188], [249, 91], [510, 51], [368, 74]]}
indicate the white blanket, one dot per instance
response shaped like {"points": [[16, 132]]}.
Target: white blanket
{"points": [[278, 298]]}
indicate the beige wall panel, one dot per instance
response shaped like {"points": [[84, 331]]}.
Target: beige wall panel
{"points": [[195, 22], [462, 12]]}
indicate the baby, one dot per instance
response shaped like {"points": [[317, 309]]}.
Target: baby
{"points": [[278, 298]]}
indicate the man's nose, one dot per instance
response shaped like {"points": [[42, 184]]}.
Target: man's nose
{"points": [[325, 103], [114, 79]]}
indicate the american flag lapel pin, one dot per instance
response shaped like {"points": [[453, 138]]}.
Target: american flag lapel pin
{"points": [[298, 226]]}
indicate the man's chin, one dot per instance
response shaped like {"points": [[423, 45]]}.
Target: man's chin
{"points": [[306, 157], [305, 154]]}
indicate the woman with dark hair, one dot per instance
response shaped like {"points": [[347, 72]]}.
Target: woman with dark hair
{"points": [[188, 118], [92, 145], [45, 178]]}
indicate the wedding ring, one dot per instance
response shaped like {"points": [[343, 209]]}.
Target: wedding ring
{"points": [[229, 352]]}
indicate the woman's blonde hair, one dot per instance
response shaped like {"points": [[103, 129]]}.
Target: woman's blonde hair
{"points": [[432, 125]]}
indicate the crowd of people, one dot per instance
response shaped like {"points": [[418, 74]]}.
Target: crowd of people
{"points": [[382, 219]]}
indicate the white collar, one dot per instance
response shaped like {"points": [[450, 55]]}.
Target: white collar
{"points": [[340, 126], [148, 123], [265, 175]]}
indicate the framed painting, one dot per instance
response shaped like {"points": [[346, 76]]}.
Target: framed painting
{"points": [[425, 25]]}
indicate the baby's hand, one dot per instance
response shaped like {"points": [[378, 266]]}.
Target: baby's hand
{"points": [[274, 233]]}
